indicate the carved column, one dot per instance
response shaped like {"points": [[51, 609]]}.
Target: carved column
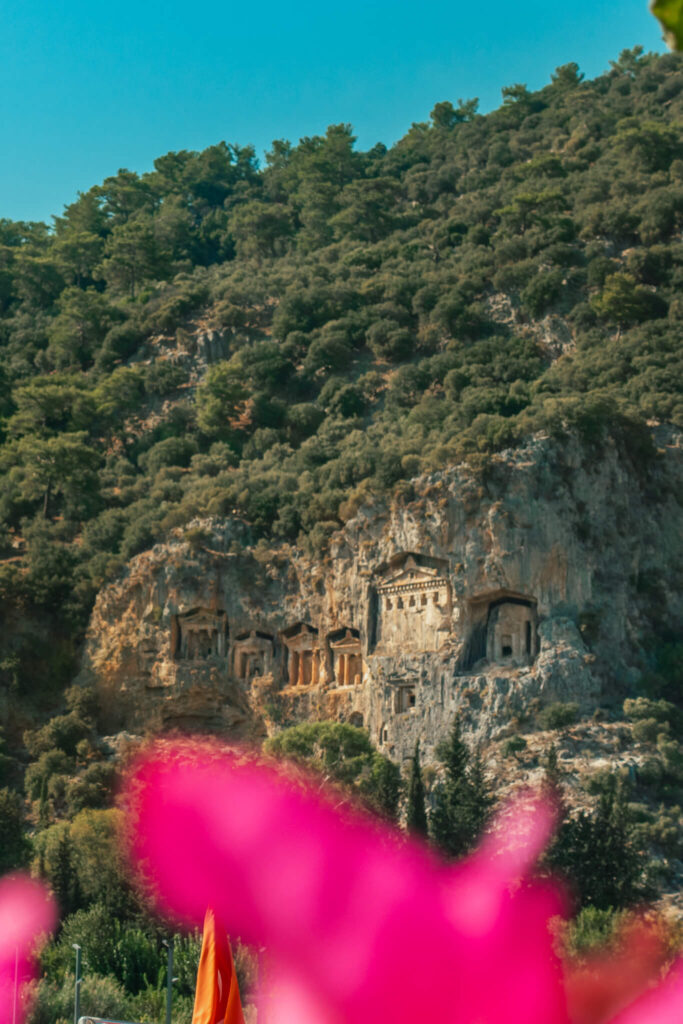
{"points": [[346, 669], [293, 667], [301, 665]]}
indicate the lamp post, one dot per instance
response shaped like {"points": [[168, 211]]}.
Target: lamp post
{"points": [[169, 979], [16, 985], [77, 983]]}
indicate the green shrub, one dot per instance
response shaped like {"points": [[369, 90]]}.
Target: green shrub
{"points": [[646, 730], [662, 711], [163, 376], [515, 745], [558, 715], [93, 788], [39, 773], [591, 930], [662, 828], [53, 1002], [62, 732], [541, 292], [601, 781]]}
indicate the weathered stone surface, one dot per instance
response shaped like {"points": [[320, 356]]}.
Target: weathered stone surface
{"points": [[486, 593]]}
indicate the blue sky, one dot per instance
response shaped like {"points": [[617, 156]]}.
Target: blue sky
{"points": [[86, 88]]}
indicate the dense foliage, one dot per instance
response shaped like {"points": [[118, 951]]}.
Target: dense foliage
{"points": [[342, 755]]}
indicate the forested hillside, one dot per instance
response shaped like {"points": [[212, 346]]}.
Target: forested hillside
{"points": [[284, 342], [380, 313]]}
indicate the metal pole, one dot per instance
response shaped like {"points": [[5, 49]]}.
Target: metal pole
{"points": [[77, 984], [169, 981], [16, 985]]}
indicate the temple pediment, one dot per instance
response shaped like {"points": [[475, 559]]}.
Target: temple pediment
{"points": [[411, 577], [299, 630], [202, 620]]}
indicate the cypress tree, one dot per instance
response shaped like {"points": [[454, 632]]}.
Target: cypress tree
{"points": [[64, 878], [462, 800], [416, 815], [44, 805]]}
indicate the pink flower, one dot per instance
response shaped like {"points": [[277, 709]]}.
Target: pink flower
{"points": [[26, 913], [361, 925]]}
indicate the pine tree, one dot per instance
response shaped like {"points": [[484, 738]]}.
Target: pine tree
{"points": [[599, 854], [64, 878], [462, 800], [416, 815], [480, 800], [44, 805]]}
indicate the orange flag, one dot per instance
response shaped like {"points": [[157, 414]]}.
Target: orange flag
{"points": [[217, 997]]}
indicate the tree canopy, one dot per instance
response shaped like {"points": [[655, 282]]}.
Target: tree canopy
{"points": [[282, 341]]}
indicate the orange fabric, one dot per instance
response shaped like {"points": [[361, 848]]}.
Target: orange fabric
{"points": [[217, 996]]}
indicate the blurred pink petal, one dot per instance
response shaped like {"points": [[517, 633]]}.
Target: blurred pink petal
{"points": [[605, 983], [368, 927], [26, 913], [287, 999], [663, 1005]]}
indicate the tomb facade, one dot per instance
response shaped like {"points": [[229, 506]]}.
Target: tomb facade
{"points": [[501, 630], [302, 655], [346, 660], [199, 634], [252, 655], [413, 605], [511, 633]]}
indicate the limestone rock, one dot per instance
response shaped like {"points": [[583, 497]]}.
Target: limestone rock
{"points": [[486, 594]]}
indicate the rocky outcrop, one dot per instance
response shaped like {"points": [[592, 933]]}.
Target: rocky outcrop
{"points": [[488, 593]]}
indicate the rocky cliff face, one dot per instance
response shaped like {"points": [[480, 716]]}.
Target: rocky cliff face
{"points": [[489, 593]]}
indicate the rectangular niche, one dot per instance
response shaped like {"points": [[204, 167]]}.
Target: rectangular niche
{"points": [[405, 698]]}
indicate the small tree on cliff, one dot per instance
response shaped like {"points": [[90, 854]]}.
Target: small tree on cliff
{"points": [[416, 813], [462, 800]]}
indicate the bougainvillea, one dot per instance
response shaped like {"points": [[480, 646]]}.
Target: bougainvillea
{"points": [[361, 924]]}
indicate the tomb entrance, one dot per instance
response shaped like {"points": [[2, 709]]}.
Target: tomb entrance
{"points": [[405, 698], [502, 629], [199, 634], [252, 655], [302, 654], [347, 667], [511, 631]]}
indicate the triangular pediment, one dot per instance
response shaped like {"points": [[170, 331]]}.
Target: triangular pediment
{"points": [[410, 576], [210, 620], [298, 630]]}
